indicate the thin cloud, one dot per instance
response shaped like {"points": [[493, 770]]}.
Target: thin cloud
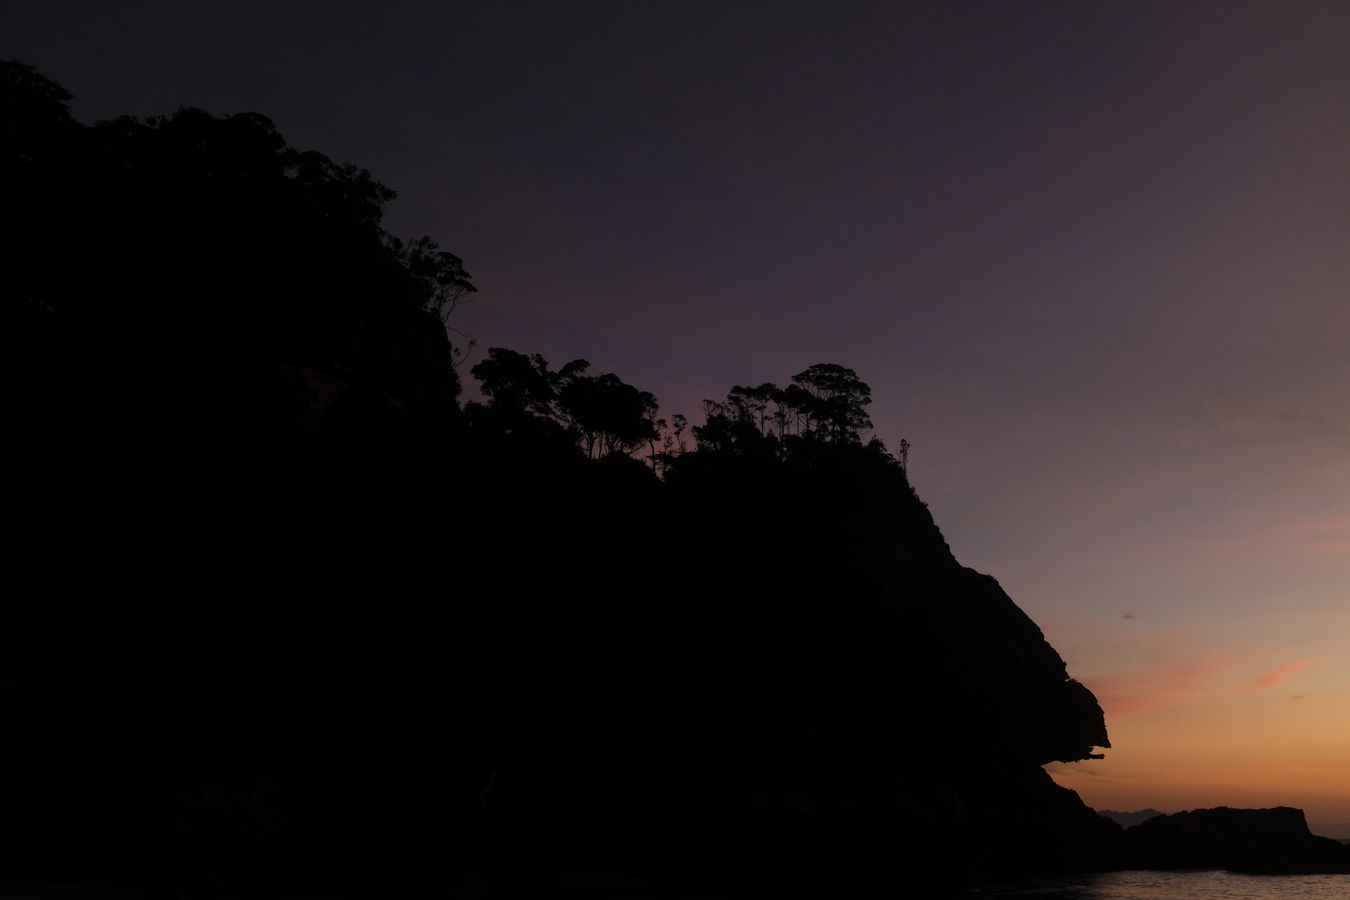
{"points": [[1162, 682], [1275, 676], [1320, 536]]}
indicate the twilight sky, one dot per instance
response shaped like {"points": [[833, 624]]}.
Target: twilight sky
{"points": [[1093, 258]]}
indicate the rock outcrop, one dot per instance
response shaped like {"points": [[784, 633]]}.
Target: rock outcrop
{"points": [[1260, 841]]}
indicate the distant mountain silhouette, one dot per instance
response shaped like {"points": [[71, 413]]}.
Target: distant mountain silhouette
{"points": [[1128, 819], [1262, 841], [285, 616], [1339, 831]]}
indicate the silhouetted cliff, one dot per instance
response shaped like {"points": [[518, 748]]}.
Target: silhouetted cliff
{"points": [[285, 616]]}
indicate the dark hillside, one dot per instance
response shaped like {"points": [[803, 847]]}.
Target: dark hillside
{"points": [[284, 616]]}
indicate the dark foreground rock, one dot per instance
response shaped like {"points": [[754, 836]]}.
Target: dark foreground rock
{"points": [[1259, 841]]}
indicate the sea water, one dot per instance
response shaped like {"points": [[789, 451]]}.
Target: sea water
{"points": [[1209, 885]]}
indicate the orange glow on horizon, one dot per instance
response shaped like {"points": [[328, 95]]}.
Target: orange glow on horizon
{"points": [[1220, 732]]}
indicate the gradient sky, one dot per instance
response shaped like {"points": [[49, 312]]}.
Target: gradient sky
{"points": [[1093, 258]]}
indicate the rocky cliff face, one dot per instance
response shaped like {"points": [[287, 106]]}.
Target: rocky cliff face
{"points": [[1002, 706], [908, 703], [783, 681]]}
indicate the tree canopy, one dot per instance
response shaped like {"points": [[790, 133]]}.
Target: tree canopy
{"points": [[825, 403], [605, 414]]}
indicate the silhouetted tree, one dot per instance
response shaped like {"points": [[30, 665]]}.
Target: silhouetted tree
{"points": [[438, 277], [672, 440], [516, 382], [752, 403], [833, 400], [606, 414], [826, 402], [610, 415]]}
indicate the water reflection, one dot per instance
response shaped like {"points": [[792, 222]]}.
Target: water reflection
{"points": [[1209, 885], [1082, 887]]}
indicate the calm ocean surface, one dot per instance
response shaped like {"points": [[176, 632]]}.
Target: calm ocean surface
{"points": [[1177, 886]]}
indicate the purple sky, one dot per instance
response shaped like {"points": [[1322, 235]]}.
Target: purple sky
{"points": [[1093, 258]]}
